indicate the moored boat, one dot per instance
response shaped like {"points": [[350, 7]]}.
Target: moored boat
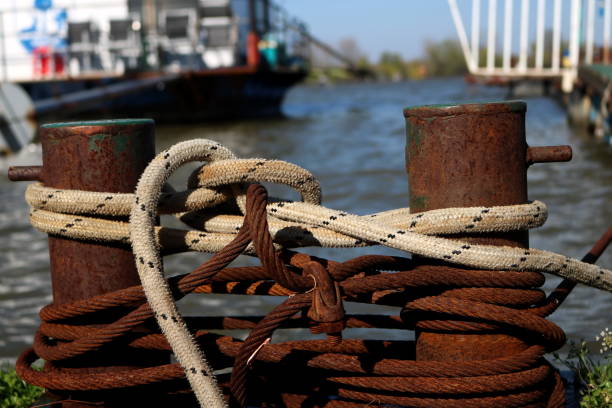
{"points": [[180, 60]]}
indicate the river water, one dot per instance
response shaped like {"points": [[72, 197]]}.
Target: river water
{"points": [[351, 137]]}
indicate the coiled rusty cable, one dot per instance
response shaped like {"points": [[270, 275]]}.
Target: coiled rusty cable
{"points": [[351, 373]]}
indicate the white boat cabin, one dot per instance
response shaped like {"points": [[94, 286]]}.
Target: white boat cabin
{"points": [[48, 39]]}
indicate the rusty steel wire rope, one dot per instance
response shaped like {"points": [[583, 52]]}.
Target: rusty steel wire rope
{"points": [[335, 372]]}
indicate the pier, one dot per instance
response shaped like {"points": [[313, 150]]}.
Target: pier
{"points": [[563, 45]]}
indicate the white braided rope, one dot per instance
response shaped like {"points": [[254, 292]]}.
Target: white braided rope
{"points": [[309, 226], [151, 269], [291, 224], [448, 250], [213, 231]]}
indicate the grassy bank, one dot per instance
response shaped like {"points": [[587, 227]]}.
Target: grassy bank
{"points": [[14, 392]]}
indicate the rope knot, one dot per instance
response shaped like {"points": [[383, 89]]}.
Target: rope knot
{"points": [[327, 310]]}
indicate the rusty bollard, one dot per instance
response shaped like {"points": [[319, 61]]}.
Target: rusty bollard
{"points": [[102, 156], [467, 156], [105, 156]]}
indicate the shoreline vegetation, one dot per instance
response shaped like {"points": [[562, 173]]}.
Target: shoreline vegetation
{"points": [[440, 59], [14, 392]]}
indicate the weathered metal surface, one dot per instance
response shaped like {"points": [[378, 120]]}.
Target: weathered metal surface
{"points": [[105, 156], [25, 173], [327, 310], [102, 156], [548, 154], [467, 156]]}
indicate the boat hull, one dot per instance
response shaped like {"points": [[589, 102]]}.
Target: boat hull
{"points": [[192, 97]]}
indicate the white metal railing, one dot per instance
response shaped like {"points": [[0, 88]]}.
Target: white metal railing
{"points": [[540, 38]]}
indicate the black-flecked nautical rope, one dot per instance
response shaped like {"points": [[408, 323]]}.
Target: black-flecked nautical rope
{"points": [[73, 214], [151, 270]]}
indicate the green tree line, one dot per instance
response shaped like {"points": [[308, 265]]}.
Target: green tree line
{"points": [[440, 58]]}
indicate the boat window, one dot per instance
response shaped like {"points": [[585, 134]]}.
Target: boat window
{"points": [[218, 36], [120, 30], [81, 33], [177, 27], [224, 11]]}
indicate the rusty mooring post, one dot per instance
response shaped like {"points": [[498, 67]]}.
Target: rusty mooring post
{"points": [[102, 156], [467, 156]]}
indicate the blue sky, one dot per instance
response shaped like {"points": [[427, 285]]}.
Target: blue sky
{"points": [[380, 25], [404, 25]]}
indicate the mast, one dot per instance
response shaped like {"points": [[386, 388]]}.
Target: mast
{"points": [[253, 57]]}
